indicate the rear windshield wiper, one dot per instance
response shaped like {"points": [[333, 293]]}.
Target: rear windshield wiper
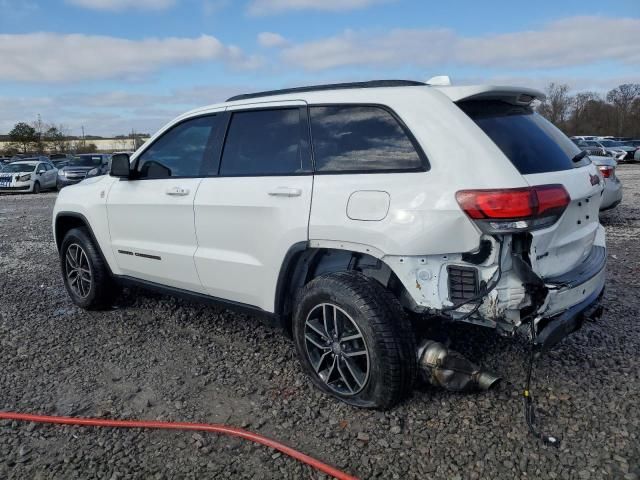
{"points": [[579, 156]]}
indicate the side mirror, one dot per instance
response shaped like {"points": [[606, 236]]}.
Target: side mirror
{"points": [[121, 165]]}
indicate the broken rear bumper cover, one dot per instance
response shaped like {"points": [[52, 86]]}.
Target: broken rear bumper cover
{"points": [[573, 297]]}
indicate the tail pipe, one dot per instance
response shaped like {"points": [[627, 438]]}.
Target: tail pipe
{"points": [[451, 370]]}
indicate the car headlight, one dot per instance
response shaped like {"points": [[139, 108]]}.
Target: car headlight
{"points": [[24, 178], [61, 173], [92, 172]]}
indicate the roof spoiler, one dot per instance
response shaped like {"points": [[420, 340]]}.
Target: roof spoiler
{"points": [[513, 95]]}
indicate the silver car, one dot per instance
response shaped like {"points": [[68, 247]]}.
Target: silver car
{"points": [[28, 175], [612, 194]]}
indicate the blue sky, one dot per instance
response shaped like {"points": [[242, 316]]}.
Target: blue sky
{"points": [[114, 65]]}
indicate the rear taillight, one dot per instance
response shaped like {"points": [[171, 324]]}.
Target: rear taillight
{"points": [[606, 170], [514, 209]]}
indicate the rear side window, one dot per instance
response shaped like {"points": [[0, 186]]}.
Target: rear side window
{"points": [[360, 138], [532, 143], [181, 151], [263, 142]]}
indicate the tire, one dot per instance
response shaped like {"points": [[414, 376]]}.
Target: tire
{"points": [[381, 377], [36, 187], [99, 290]]}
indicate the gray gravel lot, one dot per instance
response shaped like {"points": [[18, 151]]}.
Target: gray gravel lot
{"points": [[155, 357]]}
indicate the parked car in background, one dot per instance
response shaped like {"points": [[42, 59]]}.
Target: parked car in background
{"points": [[28, 175], [620, 150], [584, 137], [79, 166], [4, 160], [590, 146], [612, 194], [102, 170], [59, 160]]}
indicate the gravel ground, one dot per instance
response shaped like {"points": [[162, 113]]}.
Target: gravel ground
{"points": [[155, 357]]}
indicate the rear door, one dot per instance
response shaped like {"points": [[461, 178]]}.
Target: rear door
{"points": [[50, 175], [151, 220], [544, 155], [255, 205]]}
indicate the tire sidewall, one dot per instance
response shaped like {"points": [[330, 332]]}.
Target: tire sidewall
{"points": [[36, 187], [77, 236], [322, 293]]}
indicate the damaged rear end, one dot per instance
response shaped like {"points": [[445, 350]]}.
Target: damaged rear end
{"points": [[542, 254]]}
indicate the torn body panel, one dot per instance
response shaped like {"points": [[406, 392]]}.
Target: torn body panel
{"points": [[505, 296]]}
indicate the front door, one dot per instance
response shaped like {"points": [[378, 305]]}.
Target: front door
{"points": [[151, 219], [257, 208]]}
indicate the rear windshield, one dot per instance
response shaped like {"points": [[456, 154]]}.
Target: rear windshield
{"points": [[533, 144]]}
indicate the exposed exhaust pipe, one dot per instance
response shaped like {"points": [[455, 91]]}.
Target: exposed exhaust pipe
{"points": [[451, 370]]}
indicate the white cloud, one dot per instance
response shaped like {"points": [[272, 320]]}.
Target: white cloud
{"points": [[211, 7], [51, 57], [568, 42], [269, 7], [120, 5], [270, 40], [111, 112]]}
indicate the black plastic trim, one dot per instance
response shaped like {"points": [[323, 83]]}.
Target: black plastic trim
{"points": [[558, 327], [91, 234], [329, 86], [188, 295], [285, 274]]}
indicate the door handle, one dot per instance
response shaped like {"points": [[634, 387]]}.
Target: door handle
{"points": [[177, 191], [285, 192]]}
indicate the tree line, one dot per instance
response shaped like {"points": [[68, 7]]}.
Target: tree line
{"points": [[39, 137], [616, 113]]}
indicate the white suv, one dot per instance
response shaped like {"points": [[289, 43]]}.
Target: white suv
{"points": [[341, 211]]}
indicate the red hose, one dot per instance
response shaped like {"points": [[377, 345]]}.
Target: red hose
{"points": [[203, 427]]}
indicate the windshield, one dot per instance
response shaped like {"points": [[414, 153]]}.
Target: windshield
{"points": [[18, 167], [85, 161], [532, 143]]}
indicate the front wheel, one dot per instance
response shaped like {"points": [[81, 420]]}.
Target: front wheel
{"points": [[85, 273], [354, 340], [36, 187]]}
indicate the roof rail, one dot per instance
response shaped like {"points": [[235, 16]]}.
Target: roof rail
{"points": [[330, 86]]}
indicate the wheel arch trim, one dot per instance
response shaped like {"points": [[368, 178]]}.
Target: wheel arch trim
{"points": [[58, 236]]}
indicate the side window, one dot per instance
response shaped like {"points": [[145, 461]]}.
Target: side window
{"points": [[360, 138], [181, 151], [263, 142], [41, 168]]}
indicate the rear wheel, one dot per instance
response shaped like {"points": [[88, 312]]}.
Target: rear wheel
{"points": [[85, 273], [36, 187], [354, 340]]}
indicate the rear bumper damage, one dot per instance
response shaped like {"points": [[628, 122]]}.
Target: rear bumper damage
{"points": [[509, 298], [551, 330]]}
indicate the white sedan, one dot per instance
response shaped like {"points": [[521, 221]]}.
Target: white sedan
{"points": [[28, 176]]}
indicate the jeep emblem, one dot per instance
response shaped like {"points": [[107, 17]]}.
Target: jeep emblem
{"points": [[594, 179]]}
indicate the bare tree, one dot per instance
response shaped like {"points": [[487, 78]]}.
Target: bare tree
{"points": [[557, 105], [56, 139], [623, 98]]}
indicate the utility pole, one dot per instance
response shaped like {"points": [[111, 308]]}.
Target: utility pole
{"points": [[84, 144]]}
